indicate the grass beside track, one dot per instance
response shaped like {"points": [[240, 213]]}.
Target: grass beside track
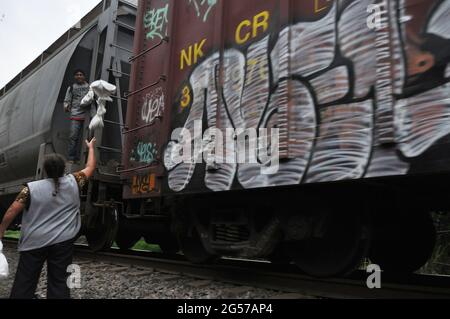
{"points": [[140, 245], [12, 234]]}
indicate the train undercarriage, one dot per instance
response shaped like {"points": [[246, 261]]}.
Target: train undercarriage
{"points": [[326, 230]]}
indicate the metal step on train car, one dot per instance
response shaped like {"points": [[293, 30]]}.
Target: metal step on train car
{"points": [[311, 131], [33, 122]]}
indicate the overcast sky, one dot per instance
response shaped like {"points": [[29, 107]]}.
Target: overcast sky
{"points": [[28, 27]]}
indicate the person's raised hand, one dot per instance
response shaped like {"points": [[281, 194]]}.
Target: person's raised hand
{"points": [[91, 144]]}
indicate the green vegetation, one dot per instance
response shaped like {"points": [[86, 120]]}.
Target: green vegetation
{"points": [[142, 245], [12, 234]]}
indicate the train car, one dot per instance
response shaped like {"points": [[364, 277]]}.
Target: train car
{"points": [[33, 122], [312, 131]]}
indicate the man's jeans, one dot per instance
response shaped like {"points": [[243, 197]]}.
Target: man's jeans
{"points": [[76, 133]]}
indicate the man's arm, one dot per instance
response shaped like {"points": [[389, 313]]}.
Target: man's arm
{"points": [[88, 99], [68, 100], [15, 209], [91, 162]]}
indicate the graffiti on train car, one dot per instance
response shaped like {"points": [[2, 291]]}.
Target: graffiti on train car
{"points": [[249, 29], [156, 21], [321, 5], [203, 7], [144, 152], [344, 95], [185, 99], [192, 54], [153, 106], [143, 184]]}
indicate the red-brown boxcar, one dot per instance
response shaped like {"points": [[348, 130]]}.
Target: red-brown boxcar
{"points": [[318, 126]]}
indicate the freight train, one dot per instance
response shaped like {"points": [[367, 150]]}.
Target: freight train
{"points": [[311, 131], [33, 122]]}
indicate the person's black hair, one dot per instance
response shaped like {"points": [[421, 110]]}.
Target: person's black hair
{"points": [[54, 166], [79, 71]]}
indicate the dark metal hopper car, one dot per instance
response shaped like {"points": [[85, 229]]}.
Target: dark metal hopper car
{"points": [[33, 122], [359, 95]]}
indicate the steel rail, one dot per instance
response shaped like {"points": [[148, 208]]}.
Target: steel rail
{"points": [[285, 278]]}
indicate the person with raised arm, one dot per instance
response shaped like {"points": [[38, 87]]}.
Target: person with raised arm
{"points": [[50, 224]]}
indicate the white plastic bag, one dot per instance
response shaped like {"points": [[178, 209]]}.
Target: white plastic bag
{"points": [[4, 269], [103, 91]]}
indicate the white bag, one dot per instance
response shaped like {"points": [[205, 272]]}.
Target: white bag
{"points": [[103, 91], [4, 269]]}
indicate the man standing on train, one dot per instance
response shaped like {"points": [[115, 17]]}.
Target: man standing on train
{"points": [[78, 113]]}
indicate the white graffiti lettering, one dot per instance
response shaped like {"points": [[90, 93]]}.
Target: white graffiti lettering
{"points": [[153, 106]]}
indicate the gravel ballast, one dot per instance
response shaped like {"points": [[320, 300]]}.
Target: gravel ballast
{"points": [[101, 280]]}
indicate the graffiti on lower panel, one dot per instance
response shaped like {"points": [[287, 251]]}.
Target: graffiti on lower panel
{"points": [[145, 153], [349, 99], [143, 184], [153, 107], [342, 149], [422, 120]]}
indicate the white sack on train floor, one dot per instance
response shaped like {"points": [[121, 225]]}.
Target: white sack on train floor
{"points": [[4, 268], [102, 91]]}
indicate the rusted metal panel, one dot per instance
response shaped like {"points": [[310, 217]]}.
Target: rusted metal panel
{"points": [[148, 99], [356, 89]]}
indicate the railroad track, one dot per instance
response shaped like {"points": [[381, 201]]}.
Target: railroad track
{"points": [[265, 275], [285, 278]]}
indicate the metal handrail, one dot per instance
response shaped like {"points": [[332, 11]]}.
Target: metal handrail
{"points": [[107, 174], [126, 26], [109, 149], [165, 39], [161, 78], [121, 48], [134, 169], [127, 130], [115, 123], [118, 97], [117, 71]]}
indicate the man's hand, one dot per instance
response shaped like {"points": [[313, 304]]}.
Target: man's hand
{"points": [[67, 107], [91, 144]]}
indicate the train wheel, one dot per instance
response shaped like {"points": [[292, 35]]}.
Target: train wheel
{"points": [[337, 251], [102, 230], [192, 247], [405, 244], [279, 256]]}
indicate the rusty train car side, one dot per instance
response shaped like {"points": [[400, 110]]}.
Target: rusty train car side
{"points": [[358, 92]]}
